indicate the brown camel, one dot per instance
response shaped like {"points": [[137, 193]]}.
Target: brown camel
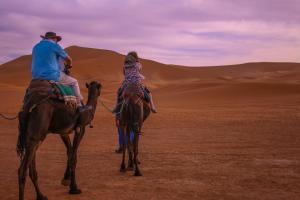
{"points": [[134, 113], [53, 116]]}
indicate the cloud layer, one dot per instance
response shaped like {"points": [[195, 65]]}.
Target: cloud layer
{"points": [[186, 32]]}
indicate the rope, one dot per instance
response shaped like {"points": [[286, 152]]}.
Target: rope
{"points": [[122, 106], [8, 118], [111, 110], [106, 107], [35, 105], [30, 110]]}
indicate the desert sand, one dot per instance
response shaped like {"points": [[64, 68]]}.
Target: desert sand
{"points": [[227, 132]]}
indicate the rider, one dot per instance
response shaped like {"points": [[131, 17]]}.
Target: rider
{"points": [[132, 73], [45, 63]]}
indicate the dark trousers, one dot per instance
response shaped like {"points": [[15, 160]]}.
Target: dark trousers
{"points": [[121, 137]]}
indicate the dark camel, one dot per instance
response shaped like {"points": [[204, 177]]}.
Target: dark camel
{"points": [[52, 116], [134, 113]]}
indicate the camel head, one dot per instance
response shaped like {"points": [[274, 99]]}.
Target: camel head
{"points": [[94, 89]]}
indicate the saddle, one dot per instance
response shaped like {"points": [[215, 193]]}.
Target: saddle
{"points": [[133, 90], [137, 92], [39, 90]]}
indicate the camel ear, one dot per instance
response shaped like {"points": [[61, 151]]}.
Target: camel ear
{"points": [[87, 85], [98, 86]]}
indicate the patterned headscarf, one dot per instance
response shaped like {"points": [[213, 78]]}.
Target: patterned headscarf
{"points": [[129, 59]]}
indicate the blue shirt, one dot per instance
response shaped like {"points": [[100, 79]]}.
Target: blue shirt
{"points": [[45, 56]]}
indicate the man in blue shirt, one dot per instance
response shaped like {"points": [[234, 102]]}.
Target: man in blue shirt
{"points": [[45, 56], [48, 60]]}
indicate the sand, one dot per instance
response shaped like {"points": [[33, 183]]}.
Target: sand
{"points": [[229, 132]]}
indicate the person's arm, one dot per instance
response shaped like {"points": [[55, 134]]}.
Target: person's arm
{"points": [[61, 53], [68, 61]]}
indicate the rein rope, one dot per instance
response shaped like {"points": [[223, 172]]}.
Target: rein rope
{"points": [[30, 109], [111, 110], [8, 118]]}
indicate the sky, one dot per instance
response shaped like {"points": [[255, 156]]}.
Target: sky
{"points": [[183, 32]]}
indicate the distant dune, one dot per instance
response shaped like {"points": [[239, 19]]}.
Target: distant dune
{"points": [[173, 85]]}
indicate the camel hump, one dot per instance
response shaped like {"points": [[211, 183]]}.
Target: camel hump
{"points": [[133, 90], [39, 86]]}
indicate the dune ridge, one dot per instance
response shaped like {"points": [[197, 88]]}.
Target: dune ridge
{"points": [[185, 84], [89, 62]]}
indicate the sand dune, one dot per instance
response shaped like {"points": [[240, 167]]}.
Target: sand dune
{"points": [[226, 132], [168, 81]]}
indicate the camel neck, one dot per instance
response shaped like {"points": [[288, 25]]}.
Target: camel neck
{"points": [[92, 104]]}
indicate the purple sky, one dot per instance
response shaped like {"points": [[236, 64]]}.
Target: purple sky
{"points": [[186, 32]]}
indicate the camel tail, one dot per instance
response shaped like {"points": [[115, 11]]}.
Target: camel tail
{"points": [[22, 134]]}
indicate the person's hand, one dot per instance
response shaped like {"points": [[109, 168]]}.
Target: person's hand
{"points": [[68, 66]]}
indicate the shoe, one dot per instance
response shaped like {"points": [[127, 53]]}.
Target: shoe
{"points": [[83, 108], [153, 110], [82, 103], [80, 109]]}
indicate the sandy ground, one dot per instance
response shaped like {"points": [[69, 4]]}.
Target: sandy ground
{"points": [[220, 150], [210, 140]]}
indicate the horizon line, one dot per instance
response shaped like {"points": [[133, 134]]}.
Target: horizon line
{"points": [[175, 65]]}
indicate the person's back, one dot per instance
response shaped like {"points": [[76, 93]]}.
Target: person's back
{"points": [[132, 73], [45, 56], [48, 59]]}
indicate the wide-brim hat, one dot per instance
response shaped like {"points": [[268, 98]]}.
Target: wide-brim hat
{"points": [[51, 35]]}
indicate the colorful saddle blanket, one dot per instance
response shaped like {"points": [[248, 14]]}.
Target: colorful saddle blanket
{"points": [[67, 93], [53, 90]]}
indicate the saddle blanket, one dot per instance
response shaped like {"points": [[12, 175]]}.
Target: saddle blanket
{"points": [[67, 92], [55, 90]]}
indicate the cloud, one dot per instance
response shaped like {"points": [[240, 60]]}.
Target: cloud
{"points": [[187, 32]]}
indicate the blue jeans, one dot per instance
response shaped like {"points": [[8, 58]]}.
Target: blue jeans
{"points": [[121, 135]]}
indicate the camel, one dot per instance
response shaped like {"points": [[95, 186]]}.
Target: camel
{"points": [[135, 111], [53, 116]]}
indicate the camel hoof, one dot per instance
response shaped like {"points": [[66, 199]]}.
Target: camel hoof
{"points": [[137, 173], [65, 182], [129, 168], [123, 170], [41, 198], [75, 191]]}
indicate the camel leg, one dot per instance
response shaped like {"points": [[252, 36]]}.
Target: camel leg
{"points": [[136, 144], [36, 132], [130, 159], [77, 138], [122, 168], [67, 176], [34, 178], [135, 154], [22, 172], [130, 151]]}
